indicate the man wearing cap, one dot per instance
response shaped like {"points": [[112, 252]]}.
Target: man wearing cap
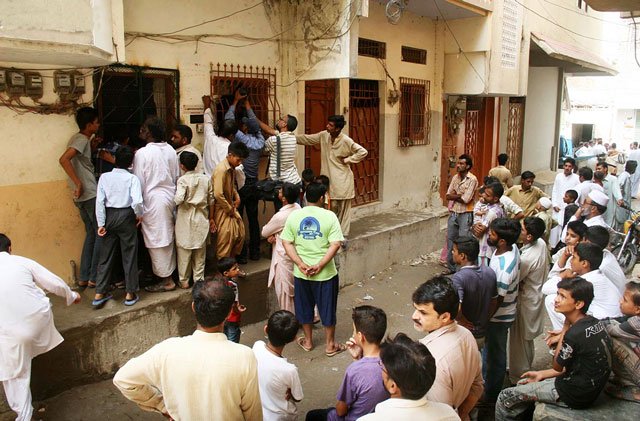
{"points": [[594, 206], [525, 194], [250, 134], [542, 212]]}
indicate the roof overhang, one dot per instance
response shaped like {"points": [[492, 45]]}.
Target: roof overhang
{"points": [[450, 9], [548, 52], [614, 5]]}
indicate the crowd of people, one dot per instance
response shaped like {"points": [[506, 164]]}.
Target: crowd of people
{"points": [[512, 255]]}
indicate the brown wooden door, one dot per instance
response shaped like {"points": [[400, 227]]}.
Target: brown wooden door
{"points": [[515, 131], [320, 103], [364, 129]]}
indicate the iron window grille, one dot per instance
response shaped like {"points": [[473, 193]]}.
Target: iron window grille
{"points": [[371, 48], [414, 55], [415, 112]]}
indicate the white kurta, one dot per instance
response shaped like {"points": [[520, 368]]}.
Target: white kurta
{"points": [[190, 148], [561, 184], [26, 320], [612, 190], [634, 155], [156, 165]]}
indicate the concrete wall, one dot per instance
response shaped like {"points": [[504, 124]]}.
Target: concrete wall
{"points": [[540, 118]]}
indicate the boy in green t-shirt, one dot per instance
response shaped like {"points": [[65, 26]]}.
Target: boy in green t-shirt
{"points": [[311, 238]]}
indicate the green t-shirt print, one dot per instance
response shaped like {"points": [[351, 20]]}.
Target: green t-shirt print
{"points": [[311, 230]]}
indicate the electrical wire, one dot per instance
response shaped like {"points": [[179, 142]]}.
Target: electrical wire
{"points": [[459, 46], [635, 39], [573, 10]]}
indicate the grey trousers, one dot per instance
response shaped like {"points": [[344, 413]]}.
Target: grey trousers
{"points": [[514, 401], [121, 228]]}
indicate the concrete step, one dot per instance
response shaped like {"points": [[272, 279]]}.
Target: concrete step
{"points": [[98, 342]]}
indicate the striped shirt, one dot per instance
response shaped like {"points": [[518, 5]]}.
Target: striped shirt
{"points": [[507, 269], [288, 170]]}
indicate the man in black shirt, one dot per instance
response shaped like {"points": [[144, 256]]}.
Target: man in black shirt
{"points": [[582, 361]]}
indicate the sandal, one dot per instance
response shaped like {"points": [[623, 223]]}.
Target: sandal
{"points": [[184, 285], [100, 302], [132, 301], [341, 348], [300, 342], [160, 288], [91, 284]]}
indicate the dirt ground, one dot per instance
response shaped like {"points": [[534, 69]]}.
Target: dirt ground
{"points": [[390, 289]]}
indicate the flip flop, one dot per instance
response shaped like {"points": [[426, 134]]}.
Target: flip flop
{"points": [[300, 342], [99, 303], [159, 288], [132, 301], [341, 348]]}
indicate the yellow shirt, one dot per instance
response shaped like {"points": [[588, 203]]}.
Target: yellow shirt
{"points": [[503, 175], [525, 199]]}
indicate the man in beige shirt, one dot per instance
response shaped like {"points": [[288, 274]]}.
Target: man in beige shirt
{"points": [[525, 194], [458, 380], [338, 151], [501, 172], [198, 377]]}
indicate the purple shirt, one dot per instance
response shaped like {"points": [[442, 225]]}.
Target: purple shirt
{"points": [[362, 389]]}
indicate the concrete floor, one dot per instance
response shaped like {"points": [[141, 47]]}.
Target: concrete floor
{"points": [[390, 289]]}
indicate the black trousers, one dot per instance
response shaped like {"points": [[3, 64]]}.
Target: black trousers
{"points": [[249, 202], [121, 229]]}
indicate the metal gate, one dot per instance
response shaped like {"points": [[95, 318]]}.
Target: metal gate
{"points": [[515, 130], [364, 129], [130, 94]]}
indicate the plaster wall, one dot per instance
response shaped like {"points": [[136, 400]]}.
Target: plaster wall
{"points": [[540, 118]]}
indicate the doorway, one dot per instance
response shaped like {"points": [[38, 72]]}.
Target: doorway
{"points": [[319, 104]]}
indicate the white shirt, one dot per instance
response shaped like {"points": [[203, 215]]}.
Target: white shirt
{"points": [[190, 148], [396, 409], [118, 189], [275, 376], [509, 205], [612, 270], [216, 149], [26, 320], [561, 184]]}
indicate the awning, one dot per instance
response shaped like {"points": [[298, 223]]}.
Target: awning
{"points": [[584, 60]]}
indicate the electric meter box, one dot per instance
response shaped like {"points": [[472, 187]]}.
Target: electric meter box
{"points": [[15, 83], [78, 84], [62, 82], [33, 84], [3, 81]]}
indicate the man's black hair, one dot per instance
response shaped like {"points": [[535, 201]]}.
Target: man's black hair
{"points": [[490, 180], [572, 194], [282, 328], [469, 246], [185, 131], [503, 158], [371, 322], [212, 301], [157, 128], [591, 253], [338, 121], [308, 175], [580, 290], [409, 364], [291, 192], [225, 264], [124, 157], [496, 188], [527, 175], [324, 180], [238, 149], [535, 227], [189, 160], [467, 158], [315, 191], [5, 243], [586, 173], [633, 287], [84, 116], [229, 129], [578, 227], [569, 161], [438, 291], [506, 229], [630, 166], [292, 123], [598, 235]]}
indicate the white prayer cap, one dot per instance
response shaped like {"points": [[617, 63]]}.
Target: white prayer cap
{"points": [[598, 197], [545, 202]]}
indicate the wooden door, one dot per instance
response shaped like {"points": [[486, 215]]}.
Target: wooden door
{"points": [[515, 131], [320, 103]]}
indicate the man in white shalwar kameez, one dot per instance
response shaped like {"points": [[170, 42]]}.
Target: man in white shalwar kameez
{"points": [[529, 322], [156, 165], [26, 323], [634, 155], [281, 270], [612, 190], [566, 180]]}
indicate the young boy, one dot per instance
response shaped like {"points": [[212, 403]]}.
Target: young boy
{"points": [[307, 178], [476, 286], [118, 210], [581, 364], [228, 271], [278, 379], [361, 389], [491, 197], [625, 334], [194, 220], [570, 197], [503, 234], [324, 180]]}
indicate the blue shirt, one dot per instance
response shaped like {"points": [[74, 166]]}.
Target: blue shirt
{"points": [[118, 189], [255, 143], [476, 286]]}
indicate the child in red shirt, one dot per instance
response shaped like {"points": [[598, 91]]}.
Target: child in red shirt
{"points": [[229, 270]]}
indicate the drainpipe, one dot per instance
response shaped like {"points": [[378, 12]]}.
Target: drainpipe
{"points": [[553, 164]]}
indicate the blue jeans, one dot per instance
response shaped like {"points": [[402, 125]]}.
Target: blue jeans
{"points": [[515, 401], [458, 225], [494, 359], [91, 246], [232, 330]]}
